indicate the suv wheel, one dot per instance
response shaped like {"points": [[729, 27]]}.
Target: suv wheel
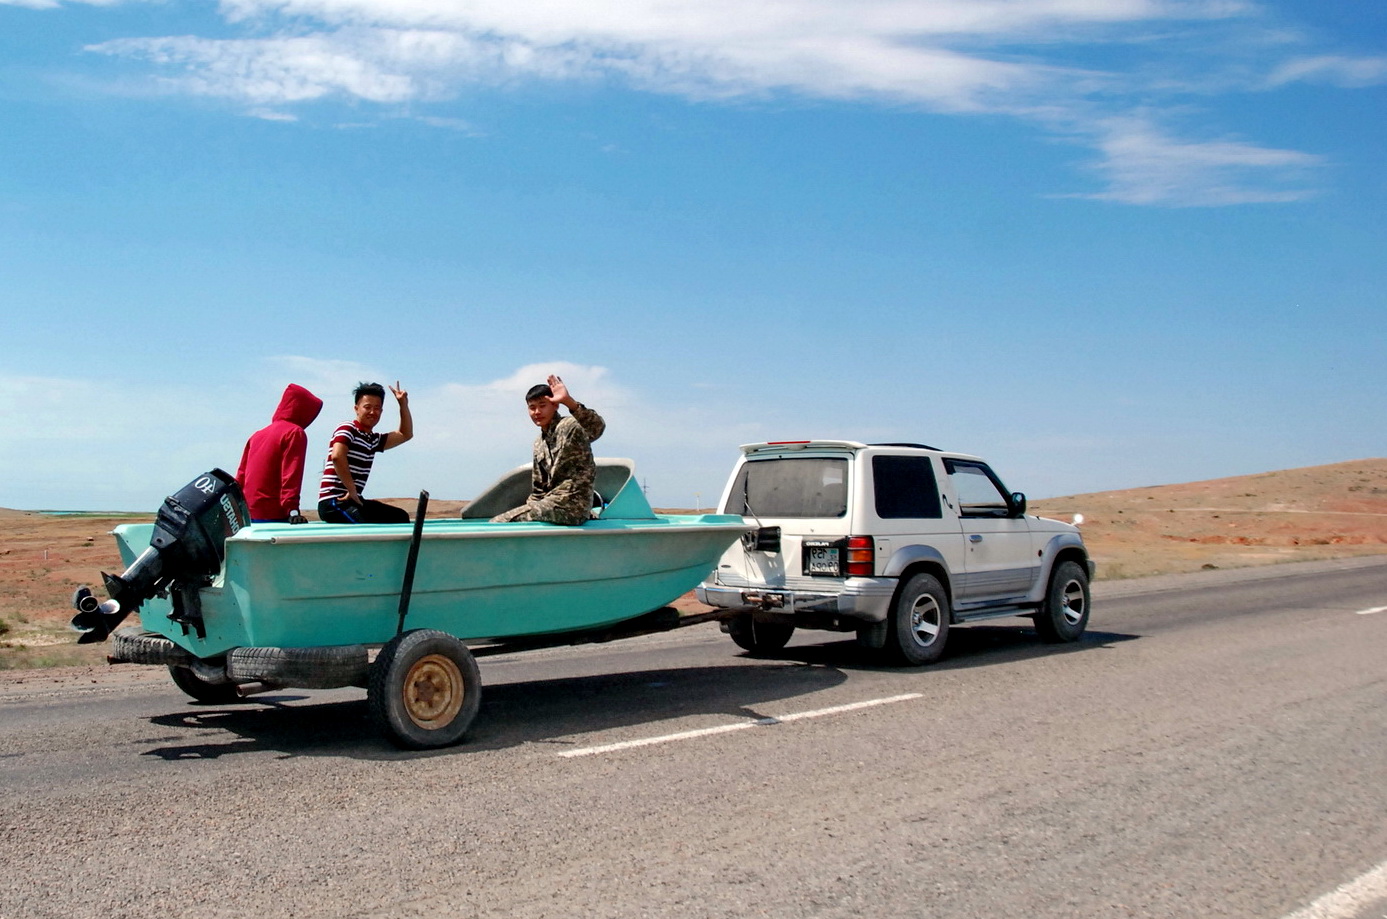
{"points": [[1065, 613], [758, 637], [919, 621]]}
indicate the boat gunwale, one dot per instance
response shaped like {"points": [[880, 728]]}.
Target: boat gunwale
{"points": [[485, 530]]}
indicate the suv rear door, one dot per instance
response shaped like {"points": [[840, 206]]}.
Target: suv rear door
{"points": [[804, 496]]}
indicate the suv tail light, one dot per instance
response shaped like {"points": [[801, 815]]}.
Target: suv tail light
{"points": [[861, 560]]}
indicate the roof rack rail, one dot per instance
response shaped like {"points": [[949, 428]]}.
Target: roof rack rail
{"points": [[917, 446]]}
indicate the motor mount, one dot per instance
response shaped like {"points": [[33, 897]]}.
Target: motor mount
{"points": [[185, 552]]}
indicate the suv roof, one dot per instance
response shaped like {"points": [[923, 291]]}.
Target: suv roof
{"points": [[790, 446]]}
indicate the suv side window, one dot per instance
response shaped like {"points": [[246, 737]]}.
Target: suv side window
{"points": [[905, 487], [979, 492], [790, 487]]}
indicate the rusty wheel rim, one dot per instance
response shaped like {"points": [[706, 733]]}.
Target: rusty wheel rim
{"points": [[433, 692]]}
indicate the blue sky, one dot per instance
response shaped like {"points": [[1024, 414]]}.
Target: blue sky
{"points": [[1103, 243]]}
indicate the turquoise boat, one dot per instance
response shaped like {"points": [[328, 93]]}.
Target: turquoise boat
{"points": [[306, 605]]}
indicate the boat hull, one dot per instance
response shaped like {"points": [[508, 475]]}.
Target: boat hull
{"points": [[320, 584]]}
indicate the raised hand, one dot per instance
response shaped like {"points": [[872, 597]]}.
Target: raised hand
{"points": [[560, 396]]}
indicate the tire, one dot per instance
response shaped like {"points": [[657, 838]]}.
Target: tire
{"points": [[200, 689], [306, 668], [1065, 613], [919, 623], [424, 690], [136, 646], [759, 638]]}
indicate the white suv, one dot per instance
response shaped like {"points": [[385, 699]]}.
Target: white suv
{"points": [[896, 542]]}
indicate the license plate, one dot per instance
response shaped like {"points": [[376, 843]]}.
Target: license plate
{"points": [[822, 558]]}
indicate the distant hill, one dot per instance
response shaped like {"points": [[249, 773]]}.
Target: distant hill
{"points": [[1291, 515]]}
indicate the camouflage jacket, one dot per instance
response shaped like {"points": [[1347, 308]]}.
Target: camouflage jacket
{"points": [[561, 479]]}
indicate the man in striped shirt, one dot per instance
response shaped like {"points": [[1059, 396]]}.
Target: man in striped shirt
{"points": [[351, 452]]}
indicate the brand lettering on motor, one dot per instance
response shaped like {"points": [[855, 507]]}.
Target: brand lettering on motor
{"points": [[232, 518]]}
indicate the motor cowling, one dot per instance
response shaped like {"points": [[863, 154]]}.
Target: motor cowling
{"points": [[185, 552]]}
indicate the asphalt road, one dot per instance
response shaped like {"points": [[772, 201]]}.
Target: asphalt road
{"points": [[1215, 746]]}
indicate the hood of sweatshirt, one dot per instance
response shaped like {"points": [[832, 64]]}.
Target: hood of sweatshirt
{"points": [[298, 406]]}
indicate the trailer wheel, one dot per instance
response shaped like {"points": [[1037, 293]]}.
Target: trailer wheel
{"points": [[424, 690], [1065, 613], [758, 637], [919, 623], [200, 689]]}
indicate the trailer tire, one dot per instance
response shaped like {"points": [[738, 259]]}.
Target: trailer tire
{"points": [[136, 646], [1065, 613], [759, 638], [200, 689], [424, 690], [305, 668]]}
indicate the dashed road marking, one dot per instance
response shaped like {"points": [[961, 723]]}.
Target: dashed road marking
{"points": [[1347, 900], [1371, 610], [738, 726]]}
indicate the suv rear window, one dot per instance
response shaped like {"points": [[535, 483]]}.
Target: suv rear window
{"points": [[905, 487], [790, 487]]}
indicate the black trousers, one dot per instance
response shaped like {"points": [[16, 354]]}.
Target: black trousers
{"points": [[368, 511]]}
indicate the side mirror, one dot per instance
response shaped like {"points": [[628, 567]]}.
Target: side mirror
{"points": [[1018, 504]]}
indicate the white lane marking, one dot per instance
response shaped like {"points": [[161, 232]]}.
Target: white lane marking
{"points": [[1371, 610], [739, 726], [1347, 899]]}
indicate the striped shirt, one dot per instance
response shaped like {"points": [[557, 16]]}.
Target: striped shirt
{"points": [[361, 453]]}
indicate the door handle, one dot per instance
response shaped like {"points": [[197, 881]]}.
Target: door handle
{"points": [[976, 537]]}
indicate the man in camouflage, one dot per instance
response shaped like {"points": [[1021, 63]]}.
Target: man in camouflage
{"points": [[561, 479]]}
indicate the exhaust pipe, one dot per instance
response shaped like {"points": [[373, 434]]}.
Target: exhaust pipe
{"points": [[251, 689]]}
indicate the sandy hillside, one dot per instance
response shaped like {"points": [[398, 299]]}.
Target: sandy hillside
{"points": [[1294, 515], [1297, 514]]}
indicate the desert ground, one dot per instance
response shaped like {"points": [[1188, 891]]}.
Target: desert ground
{"points": [[1317, 512]]}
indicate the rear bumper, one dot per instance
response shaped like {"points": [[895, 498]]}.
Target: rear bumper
{"points": [[865, 599]]}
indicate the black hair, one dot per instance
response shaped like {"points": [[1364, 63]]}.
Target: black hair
{"points": [[368, 389], [540, 391]]}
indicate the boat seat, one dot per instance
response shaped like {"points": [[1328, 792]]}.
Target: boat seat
{"points": [[511, 490]]}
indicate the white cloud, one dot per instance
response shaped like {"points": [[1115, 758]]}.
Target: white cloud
{"points": [[949, 56], [411, 52], [1143, 165], [272, 115], [1335, 70], [280, 70], [451, 124]]}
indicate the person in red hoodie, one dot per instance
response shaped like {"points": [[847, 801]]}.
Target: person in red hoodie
{"points": [[271, 470]]}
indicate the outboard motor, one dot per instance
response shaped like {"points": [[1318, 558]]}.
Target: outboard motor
{"points": [[184, 554]]}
